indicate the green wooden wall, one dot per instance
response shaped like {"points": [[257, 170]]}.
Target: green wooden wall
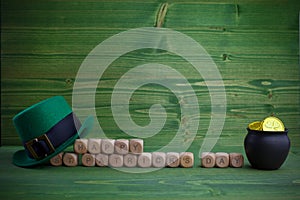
{"points": [[254, 43]]}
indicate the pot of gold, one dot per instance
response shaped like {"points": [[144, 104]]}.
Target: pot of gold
{"points": [[267, 144]]}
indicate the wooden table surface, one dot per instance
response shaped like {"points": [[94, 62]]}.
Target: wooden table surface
{"points": [[168, 183], [254, 44]]}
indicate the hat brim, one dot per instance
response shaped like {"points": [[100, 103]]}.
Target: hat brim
{"points": [[21, 158]]}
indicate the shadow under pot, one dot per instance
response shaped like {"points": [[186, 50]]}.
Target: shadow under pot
{"points": [[266, 150]]}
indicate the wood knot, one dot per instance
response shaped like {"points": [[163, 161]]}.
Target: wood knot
{"points": [[161, 15], [69, 82], [225, 57]]}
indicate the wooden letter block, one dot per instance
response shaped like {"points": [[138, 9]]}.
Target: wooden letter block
{"points": [[144, 160], [136, 146], [94, 146], [236, 160], [121, 146], [57, 160], [208, 159], [101, 160], [80, 146], [173, 159], [70, 159], [107, 146], [115, 160], [222, 159], [186, 159], [130, 160], [88, 160], [159, 159]]}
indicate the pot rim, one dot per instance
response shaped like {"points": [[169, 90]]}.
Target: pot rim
{"points": [[267, 132]]}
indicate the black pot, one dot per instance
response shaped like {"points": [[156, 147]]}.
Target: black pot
{"points": [[266, 149]]}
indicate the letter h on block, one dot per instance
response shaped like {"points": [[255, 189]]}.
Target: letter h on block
{"points": [[81, 146]]}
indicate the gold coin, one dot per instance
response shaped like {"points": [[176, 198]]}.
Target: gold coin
{"points": [[272, 124], [255, 126]]}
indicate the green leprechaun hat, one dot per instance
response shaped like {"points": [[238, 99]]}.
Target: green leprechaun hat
{"points": [[46, 129]]}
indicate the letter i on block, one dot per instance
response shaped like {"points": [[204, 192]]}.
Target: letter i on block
{"points": [[144, 160], [80, 146], [222, 160], [236, 160], [208, 159]]}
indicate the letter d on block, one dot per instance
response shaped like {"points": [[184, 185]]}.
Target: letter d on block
{"points": [[208, 159]]}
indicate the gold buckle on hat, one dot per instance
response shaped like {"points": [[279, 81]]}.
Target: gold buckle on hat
{"points": [[35, 140]]}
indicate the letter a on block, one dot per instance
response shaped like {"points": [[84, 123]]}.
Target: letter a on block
{"points": [[222, 160], [94, 146]]}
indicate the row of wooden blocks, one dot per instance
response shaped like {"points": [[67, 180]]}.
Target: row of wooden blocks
{"points": [[221, 160], [130, 153], [155, 159], [108, 146]]}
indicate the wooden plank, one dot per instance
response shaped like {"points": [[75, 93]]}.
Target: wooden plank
{"points": [[166, 183], [65, 14], [45, 42], [224, 15]]}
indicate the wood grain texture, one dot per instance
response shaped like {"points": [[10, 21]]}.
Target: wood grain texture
{"points": [[167, 183], [254, 44]]}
